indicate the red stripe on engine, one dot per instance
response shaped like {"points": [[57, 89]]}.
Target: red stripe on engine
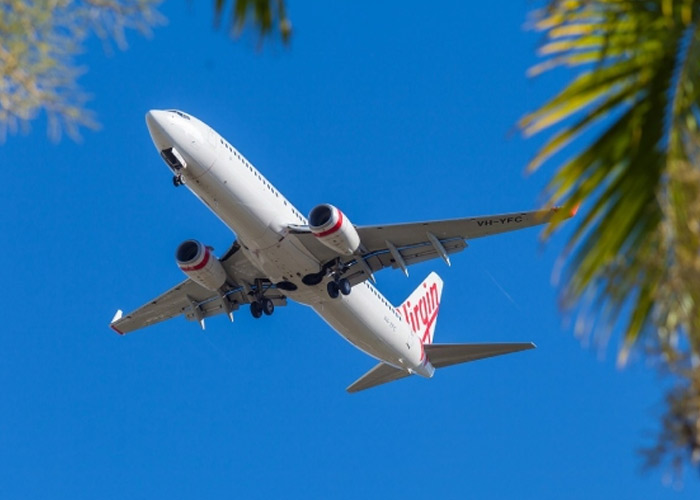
{"points": [[201, 264], [334, 228]]}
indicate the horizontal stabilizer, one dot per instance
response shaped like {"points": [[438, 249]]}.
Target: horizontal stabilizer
{"points": [[441, 355], [380, 374]]}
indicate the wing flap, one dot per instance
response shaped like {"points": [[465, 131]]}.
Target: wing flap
{"points": [[413, 254], [236, 298], [441, 355], [465, 228], [380, 374]]}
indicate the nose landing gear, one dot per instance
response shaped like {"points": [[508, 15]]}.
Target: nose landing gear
{"points": [[177, 180]]}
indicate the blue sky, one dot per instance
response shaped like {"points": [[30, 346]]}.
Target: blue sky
{"points": [[391, 114]]}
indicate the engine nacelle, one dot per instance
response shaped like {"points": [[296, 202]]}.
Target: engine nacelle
{"points": [[334, 229], [198, 263]]}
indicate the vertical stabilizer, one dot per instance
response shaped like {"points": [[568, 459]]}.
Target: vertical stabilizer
{"points": [[421, 308]]}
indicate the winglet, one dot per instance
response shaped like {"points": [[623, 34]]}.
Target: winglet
{"points": [[117, 316], [575, 209]]}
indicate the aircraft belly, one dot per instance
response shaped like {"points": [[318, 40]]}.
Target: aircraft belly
{"points": [[234, 205], [355, 318], [283, 261]]}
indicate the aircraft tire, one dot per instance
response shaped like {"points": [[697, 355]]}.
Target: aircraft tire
{"points": [[344, 286], [333, 289], [267, 307], [256, 309]]}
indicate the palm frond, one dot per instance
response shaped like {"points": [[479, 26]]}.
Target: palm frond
{"points": [[636, 249], [266, 16]]}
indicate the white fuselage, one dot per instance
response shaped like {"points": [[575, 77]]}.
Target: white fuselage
{"points": [[260, 216]]}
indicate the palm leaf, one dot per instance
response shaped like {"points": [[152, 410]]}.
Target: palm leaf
{"points": [[636, 248], [266, 16]]}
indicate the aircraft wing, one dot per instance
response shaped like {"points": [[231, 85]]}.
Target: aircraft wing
{"points": [[197, 303], [401, 245]]}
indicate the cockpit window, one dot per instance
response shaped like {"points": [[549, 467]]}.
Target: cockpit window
{"points": [[180, 113]]}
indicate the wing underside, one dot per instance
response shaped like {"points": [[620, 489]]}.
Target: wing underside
{"points": [[399, 246], [197, 303]]}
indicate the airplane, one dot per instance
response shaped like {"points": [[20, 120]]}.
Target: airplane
{"points": [[324, 261]]}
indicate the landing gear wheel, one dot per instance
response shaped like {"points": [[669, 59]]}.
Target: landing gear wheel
{"points": [[344, 286], [267, 307], [256, 309], [333, 289], [177, 180]]}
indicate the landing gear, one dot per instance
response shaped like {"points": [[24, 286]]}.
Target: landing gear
{"points": [[333, 289], [177, 180], [262, 306], [267, 306], [256, 309], [337, 287], [344, 286]]}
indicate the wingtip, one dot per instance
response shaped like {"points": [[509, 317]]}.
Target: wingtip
{"points": [[117, 316], [574, 210]]}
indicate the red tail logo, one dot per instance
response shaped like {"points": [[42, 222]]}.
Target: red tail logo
{"points": [[421, 315]]}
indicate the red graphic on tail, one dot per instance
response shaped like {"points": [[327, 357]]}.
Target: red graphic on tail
{"points": [[421, 315]]}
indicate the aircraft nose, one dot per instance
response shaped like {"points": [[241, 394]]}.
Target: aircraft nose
{"points": [[156, 121]]}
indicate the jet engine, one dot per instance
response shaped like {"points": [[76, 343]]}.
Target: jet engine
{"points": [[334, 229], [198, 263]]}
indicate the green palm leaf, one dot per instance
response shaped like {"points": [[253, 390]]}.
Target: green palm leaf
{"points": [[636, 251], [266, 15]]}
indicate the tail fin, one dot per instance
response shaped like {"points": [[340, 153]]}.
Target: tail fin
{"points": [[421, 308]]}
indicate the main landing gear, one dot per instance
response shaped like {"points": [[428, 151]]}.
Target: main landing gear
{"points": [[261, 306], [339, 286], [177, 180]]}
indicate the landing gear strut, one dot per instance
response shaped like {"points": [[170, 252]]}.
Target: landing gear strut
{"points": [[177, 180]]}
